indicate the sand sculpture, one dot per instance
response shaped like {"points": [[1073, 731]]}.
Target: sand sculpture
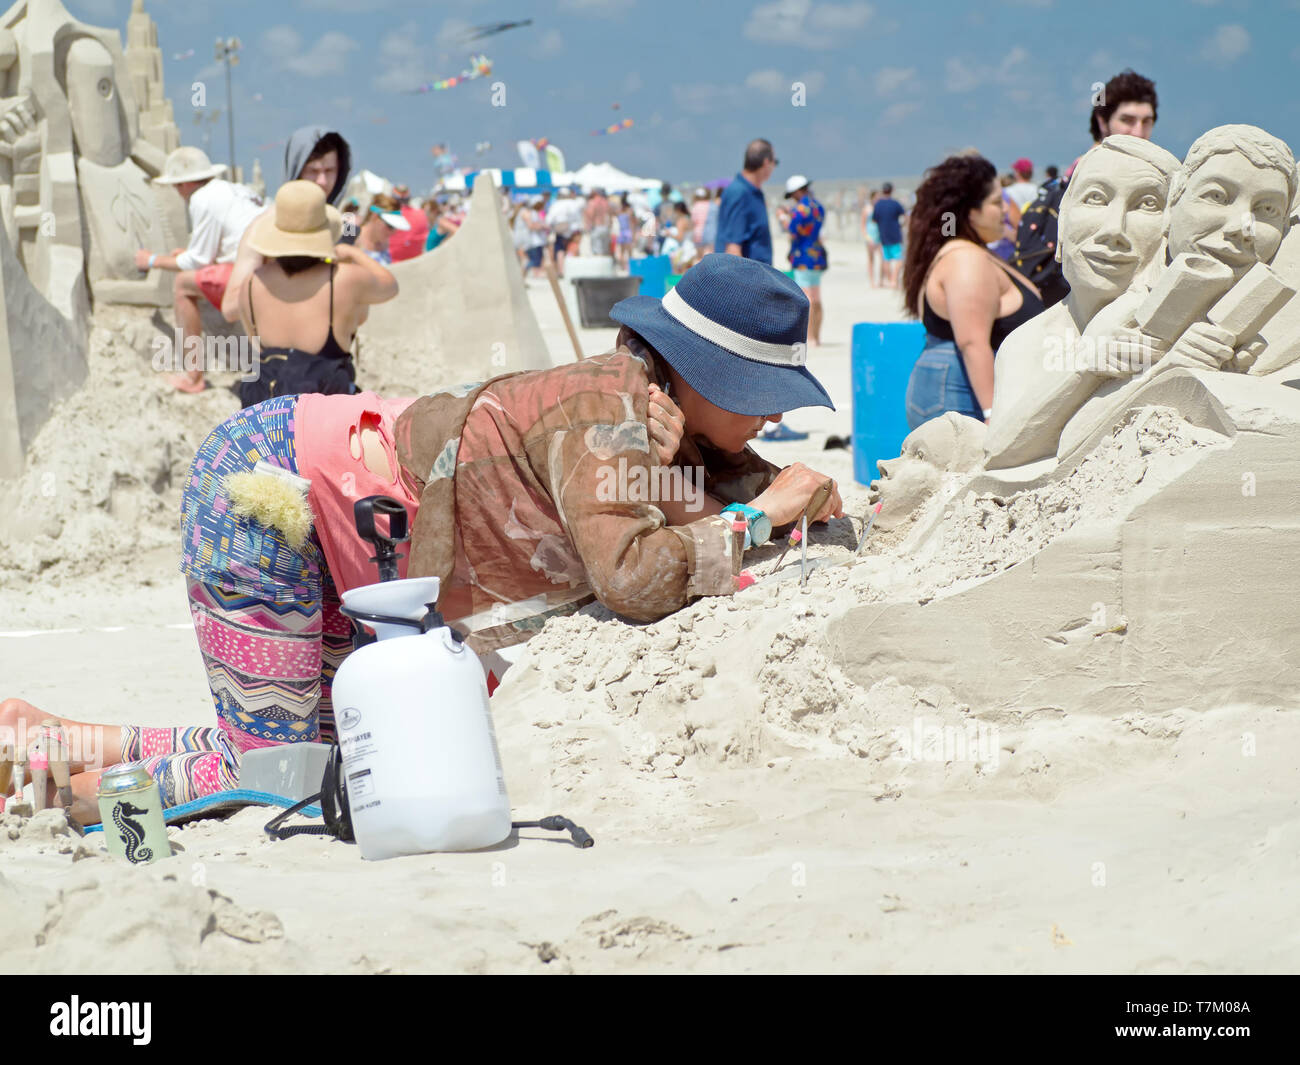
{"points": [[1168, 268], [83, 128], [1154, 504], [77, 162], [463, 311], [948, 444]]}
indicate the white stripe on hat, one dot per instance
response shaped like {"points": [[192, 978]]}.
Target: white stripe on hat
{"points": [[736, 343]]}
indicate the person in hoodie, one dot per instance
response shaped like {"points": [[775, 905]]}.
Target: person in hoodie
{"points": [[316, 154]]}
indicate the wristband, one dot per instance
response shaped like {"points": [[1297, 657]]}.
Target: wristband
{"points": [[760, 525], [153, 258]]}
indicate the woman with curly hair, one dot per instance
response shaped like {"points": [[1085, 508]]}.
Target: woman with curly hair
{"points": [[967, 298]]}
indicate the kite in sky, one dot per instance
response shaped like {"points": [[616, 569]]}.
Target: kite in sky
{"points": [[479, 66], [491, 29], [183, 55], [617, 127]]}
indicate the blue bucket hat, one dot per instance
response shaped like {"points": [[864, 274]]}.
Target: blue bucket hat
{"points": [[737, 332]]}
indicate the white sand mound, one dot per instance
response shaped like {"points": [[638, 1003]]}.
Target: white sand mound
{"points": [[148, 919], [734, 680], [103, 480]]}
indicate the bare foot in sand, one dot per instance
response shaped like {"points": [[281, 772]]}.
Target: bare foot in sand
{"points": [[187, 383]]}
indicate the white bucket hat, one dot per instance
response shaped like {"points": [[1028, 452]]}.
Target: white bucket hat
{"points": [[795, 183], [188, 164]]}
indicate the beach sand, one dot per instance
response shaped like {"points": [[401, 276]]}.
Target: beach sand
{"points": [[753, 808]]}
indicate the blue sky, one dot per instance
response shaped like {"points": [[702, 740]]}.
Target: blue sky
{"points": [[889, 88]]}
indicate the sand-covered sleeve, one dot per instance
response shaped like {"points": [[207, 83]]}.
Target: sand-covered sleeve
{"points": [[599, 466]]}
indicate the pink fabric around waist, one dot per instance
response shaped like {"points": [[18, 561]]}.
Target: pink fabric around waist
{"points": [[323, 427]]}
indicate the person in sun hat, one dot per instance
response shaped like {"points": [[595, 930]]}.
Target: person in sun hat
{"points": [[219, 212], [803, 220], [529, 496], [306, 301]]}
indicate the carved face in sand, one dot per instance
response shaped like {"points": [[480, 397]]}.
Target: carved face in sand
{"points": [[1229, 207], [951, 443], [1113, 219]]}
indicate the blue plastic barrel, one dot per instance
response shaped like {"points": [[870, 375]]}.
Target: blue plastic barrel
{"points": [[653, 271], [882, 359]]}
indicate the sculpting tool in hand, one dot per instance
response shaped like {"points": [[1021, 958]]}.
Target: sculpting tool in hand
{"points": [[814, 506]]}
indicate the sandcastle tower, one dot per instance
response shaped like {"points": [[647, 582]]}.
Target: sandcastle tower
{"points": [[144, 61]]}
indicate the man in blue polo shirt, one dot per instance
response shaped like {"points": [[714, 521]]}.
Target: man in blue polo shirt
{"points": [[742, 214]]}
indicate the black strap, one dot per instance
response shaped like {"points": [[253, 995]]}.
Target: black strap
{"points": [[333, 797]]}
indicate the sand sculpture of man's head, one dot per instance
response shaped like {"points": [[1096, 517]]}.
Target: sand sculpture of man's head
{"points": [[1232, 198], [1112, 217], [951, 443]]}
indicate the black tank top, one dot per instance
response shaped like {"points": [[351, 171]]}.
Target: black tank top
{"points": [[1030, 306], [285, 371]]}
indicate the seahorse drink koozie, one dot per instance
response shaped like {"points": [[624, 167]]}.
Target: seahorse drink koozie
{"points": [[131, 810]]}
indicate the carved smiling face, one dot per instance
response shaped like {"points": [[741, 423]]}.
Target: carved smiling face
{"points": [[1231, 210], [1112, 226]]}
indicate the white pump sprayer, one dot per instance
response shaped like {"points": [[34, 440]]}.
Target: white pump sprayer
{"points": [[420, 758]]}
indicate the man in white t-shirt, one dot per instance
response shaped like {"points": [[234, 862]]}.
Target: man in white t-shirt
{"points": [[220, 211], [565, 218], [1022, 192]]}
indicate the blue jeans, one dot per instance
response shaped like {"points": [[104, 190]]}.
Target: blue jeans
{"points": [[939, 383]]}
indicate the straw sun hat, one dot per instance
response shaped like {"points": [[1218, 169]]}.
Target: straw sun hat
{"points": [[301, 223]]}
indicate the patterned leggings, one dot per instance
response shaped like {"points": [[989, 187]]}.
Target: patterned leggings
{"points": [[266, 617]]}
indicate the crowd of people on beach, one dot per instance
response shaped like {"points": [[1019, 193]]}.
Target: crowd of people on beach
{"points": [[506, 502]]}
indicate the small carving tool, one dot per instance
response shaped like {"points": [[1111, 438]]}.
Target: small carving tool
{"points": [[870, 522], [803, 553], [800, 531]]}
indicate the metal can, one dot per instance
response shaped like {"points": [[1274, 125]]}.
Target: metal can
{"points": [[131, 810]]}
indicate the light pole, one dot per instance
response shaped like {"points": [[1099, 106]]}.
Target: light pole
{"points": [[227, 52]]}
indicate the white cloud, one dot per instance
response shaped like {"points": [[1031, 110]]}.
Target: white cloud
{"points": [[960, 76], [815, 80], [774, 83], [701, 98], [549, 44], [347, 7], [402, 60], [599, 8], [767, 81], [895, 113], [327, 57], [1226, 45], [805, 24], [890, 79]]}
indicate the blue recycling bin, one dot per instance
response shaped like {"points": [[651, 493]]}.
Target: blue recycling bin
{"points": [[882, 358], [653, 271]]}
